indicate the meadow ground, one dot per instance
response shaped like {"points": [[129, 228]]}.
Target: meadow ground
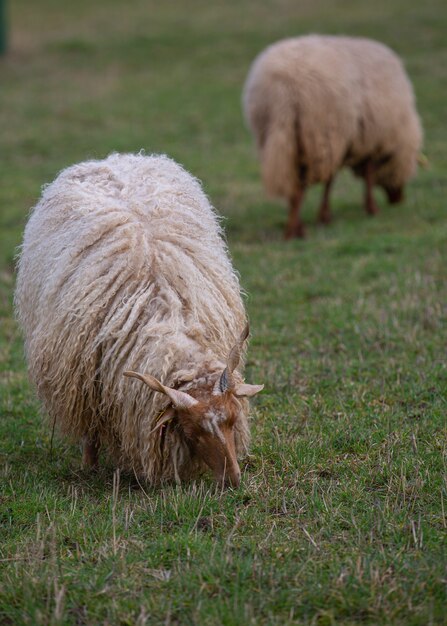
{"points": [[340, 518]]}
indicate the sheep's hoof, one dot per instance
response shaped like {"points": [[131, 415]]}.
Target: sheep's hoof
{"points": [[324, 218], [297, 233], [90, 453], [372, 209]]}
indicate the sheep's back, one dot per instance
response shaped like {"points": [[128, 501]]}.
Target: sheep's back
{"points": [[389, 127], [340, 99], [122, 264], [301, 87]]}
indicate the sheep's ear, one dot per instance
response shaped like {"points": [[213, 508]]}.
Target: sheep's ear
{"points": [[247, 391], [179, 399], [164, 418]]}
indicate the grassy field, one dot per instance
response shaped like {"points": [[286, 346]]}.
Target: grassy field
{"points": [[341, 516]]}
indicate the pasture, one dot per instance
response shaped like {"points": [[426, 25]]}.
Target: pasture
{"points": [[341, 515]]}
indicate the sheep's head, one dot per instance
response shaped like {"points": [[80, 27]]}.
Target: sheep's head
{"points": [[208, 417], [394, 194]]}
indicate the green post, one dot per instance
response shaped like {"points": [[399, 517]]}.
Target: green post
{"points": [[3, 28]]}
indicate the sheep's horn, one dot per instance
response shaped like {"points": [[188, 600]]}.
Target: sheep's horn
{"points": [[179, 399], [226, 381]]}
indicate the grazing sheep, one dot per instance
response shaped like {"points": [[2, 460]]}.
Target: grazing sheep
{"points": [[318, 103], [123, 267]]}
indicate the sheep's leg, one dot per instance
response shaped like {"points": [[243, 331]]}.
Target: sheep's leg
{"points": [[370, 204], [324, 214], [295, 227], [90, 450]]}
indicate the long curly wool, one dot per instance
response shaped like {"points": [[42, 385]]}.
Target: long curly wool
{"points": [[123, 266], [317, 103]]}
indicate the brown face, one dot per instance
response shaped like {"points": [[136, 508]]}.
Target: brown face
{"points": [[209, 427], [208, 417]]}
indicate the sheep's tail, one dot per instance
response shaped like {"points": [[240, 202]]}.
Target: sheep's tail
{"points": [[279, 157]]}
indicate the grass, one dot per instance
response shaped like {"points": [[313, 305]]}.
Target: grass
{"points": [[341, 515]]}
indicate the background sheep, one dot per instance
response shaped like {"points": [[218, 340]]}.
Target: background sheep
{"points": [[317, 103], [123, 267]]}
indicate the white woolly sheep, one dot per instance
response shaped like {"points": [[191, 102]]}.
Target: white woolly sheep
{"points": [[123, 267], [318, 103]]}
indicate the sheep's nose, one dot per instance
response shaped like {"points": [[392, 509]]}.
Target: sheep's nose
{"points": [[230, 477], [233, 479]]}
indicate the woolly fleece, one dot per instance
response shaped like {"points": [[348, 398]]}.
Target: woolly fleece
{"points": [[317, 103], [123, 266]]}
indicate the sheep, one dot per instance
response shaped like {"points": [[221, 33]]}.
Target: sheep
{"points": [[317, 103], [123, 272]]}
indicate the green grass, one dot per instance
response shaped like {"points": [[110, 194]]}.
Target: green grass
{"points": [[340, 518]]}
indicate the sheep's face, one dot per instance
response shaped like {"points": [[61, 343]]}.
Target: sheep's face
{"points": [[210, 427], [209, 416], [394, 194]]}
